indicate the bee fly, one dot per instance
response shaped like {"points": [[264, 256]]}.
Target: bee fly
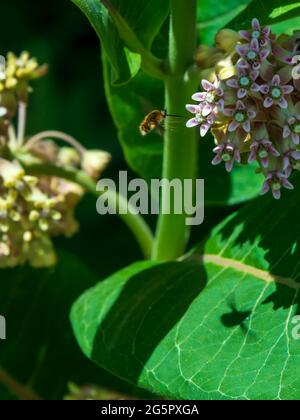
{"points": [[155, 121]]}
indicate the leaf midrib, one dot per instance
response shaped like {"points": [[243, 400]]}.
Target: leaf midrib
{"points": [[248, 269]]}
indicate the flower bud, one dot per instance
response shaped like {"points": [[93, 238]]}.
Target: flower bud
{"points": [[225, 69], [226, 40], [207, 57], [4, 250], [94, 162], [68, 156], [3, 111]]}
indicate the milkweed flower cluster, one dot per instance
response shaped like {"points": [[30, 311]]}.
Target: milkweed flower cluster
{"points": [[33, 209], [251, 104]]}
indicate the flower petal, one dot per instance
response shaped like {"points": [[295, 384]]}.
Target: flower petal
{"points": [[219, 149], [266, 31], [221, 104], [242, 93], [232, 83], [295, 138], [265, 162], [287, 184], [282, 54], [255, 24], [283, 103], [207, 109], [233, 126], [192, 123], [296, 72], [247, 126], [199, 96], [296, 59], [217, 160], [264, 54], [237, 156], [243, 64], [254, 45], [287, 89], [268, 102], [204, 129], [192, 108], [251, 114], [245, 35], [229, 165], [295, 155], [264, 89], [228, 112], [276, 194], [276, 80], [254, 74], [252, 156], [255, 87], [265, 188], [240, 105], [241, 50], [273, 151], [3, 111], [207, 85], [286, 131], [288, 171], [286, 162]]}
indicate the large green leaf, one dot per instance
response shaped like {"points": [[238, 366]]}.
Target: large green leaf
{"points": [[215, 14], [215, 326], [270, 12], [35, 304], [40, 355], [144, 18]]}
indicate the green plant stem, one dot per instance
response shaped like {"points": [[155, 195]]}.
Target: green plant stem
{"points": [[180, 147], [134, 222]]}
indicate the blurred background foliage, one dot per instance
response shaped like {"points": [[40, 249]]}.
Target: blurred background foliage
{"points": [[70, 99]]}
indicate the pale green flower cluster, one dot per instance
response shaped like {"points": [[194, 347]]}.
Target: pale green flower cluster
{"points": [[31, 211], [34, 209]]}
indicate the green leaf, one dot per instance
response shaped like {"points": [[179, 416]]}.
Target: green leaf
{"points": [[143, 20], [213, 15], [40, 353], [270, 13], [218, 325]]}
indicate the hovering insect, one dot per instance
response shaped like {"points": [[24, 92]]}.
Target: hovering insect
{"points": [[155, 121]]}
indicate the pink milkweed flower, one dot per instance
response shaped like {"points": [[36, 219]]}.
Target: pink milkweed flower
{"points": [[282, 54], [212, 97], [291, 160], [228, 153], [292, 129], [263, 35], [262, 150], [274, 182], [251, 55], [296, 68], [244, 82], [275, 92], [205, 122], [292, 60], [241, 117]]}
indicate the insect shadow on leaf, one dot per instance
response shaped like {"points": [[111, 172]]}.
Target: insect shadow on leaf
{"points": [[236, 318]]}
